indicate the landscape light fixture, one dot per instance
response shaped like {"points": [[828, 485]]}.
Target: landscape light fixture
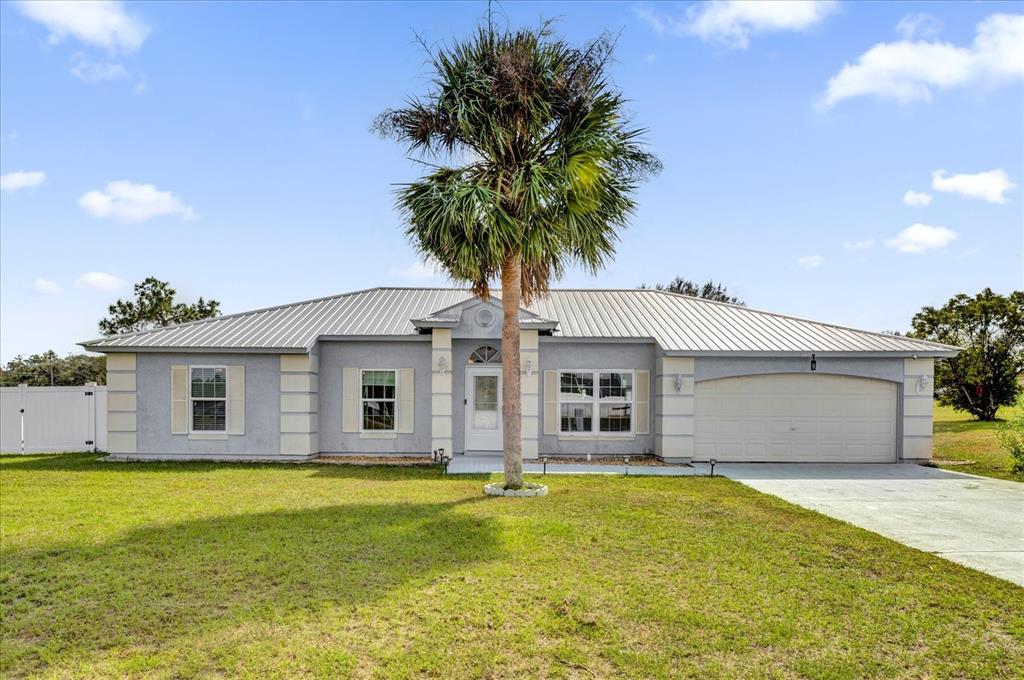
{"points": [[443, 458], [625, 459], [712, 461], [545, 459]]}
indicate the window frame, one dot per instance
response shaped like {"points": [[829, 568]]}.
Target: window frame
{"points": [[596, 402], [226, 399], [362, 400]]}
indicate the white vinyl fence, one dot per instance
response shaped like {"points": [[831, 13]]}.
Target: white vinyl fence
{"points": [[51, 419]]}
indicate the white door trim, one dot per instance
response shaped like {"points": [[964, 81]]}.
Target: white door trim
{"points": [[476, 440]]}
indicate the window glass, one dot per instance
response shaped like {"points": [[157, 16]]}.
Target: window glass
{"points": [[577, 384], [485, 402], [208, 394], [378, 415], [616, 386], [208, 416], [616, 417], [209, 383], [577, 417], [485, 355], [378, 400], [612, 403]]}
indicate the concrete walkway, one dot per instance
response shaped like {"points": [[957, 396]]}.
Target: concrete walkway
{"points": [[976, 521]]}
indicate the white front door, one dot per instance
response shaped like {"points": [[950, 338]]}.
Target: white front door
{"points": [[483, 408]]}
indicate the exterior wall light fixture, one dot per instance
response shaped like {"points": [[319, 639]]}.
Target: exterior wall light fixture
{"points": [[814, 363], [679, 383], [442, 364]]}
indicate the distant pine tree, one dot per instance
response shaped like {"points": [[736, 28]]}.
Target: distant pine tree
{"points": [[710, 290]]}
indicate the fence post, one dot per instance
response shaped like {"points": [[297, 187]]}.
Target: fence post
{"points": [[90, 390], [21, 413]]}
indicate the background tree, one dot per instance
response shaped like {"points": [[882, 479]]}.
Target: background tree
{"points": [[709, 290], [534, 165], [49, 369], [154, 306], [990, 329]]}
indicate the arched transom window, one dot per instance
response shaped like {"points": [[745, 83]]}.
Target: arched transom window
{"points": [[485, 355]]}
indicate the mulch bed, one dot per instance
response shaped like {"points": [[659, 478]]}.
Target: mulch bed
{"points": [[652, 461], [402, 461]]}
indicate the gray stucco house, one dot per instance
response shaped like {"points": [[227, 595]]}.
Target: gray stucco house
{"points": [[411, 371]]}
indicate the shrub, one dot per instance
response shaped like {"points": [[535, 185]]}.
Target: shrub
{"points": [[1011, 436]]}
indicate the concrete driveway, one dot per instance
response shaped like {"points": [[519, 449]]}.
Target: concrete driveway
{"points": [[976, 521]]}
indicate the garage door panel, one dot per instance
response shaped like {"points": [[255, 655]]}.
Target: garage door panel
{"points": [[796, 417]]}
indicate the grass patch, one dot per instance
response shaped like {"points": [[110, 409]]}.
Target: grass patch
{"points": [[200, 569], [958, 436]]}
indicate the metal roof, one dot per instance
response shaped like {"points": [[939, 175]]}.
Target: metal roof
{"points": [[678, 323]]}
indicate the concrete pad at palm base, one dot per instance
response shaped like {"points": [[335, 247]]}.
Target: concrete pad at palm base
{"points": [[975, 521]]}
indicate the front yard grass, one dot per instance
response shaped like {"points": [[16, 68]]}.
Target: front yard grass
{"points": [[196, 569], [957, 436]]}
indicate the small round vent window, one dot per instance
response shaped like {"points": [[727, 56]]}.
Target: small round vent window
{"points": [[484, 316]]}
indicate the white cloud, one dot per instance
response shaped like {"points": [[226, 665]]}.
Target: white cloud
{"points": [[866, 244], [12, 181], [810, 261], [922, 25], [46, 286], [103, 23], [918, 238], [917, 198], [418, 271], [908, 70], [733, 22], [129, 202], [988, 186], [98, 71], [101, 281]]}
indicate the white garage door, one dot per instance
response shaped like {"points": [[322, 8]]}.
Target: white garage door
{"points": [[796, 418]]}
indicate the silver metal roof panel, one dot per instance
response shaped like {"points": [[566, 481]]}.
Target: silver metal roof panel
{"points": [[678, 323]]}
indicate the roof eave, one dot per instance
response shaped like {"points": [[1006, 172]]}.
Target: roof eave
{"points": [[145, 349], [900, 353]]}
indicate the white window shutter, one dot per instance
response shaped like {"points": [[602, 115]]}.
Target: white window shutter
{"points": [[643, 403], [179, 399], [550, 402], [350, 386], [236, 399], [405, 418]]}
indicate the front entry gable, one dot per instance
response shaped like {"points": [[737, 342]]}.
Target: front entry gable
{"points": [[480, 319]]}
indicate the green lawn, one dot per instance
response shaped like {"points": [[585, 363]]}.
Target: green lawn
{"points": [[189, 569], [958, 436]]}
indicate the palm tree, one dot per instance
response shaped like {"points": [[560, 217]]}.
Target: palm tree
{"points": [[533, 167]]}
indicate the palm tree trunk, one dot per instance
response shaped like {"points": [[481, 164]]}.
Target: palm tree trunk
{"points": [[511, 406]]}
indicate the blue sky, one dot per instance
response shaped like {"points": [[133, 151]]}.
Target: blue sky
{"points": [[226, 148]]}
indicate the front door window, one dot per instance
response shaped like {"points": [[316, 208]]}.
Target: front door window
{"points": [[485, 402]]}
